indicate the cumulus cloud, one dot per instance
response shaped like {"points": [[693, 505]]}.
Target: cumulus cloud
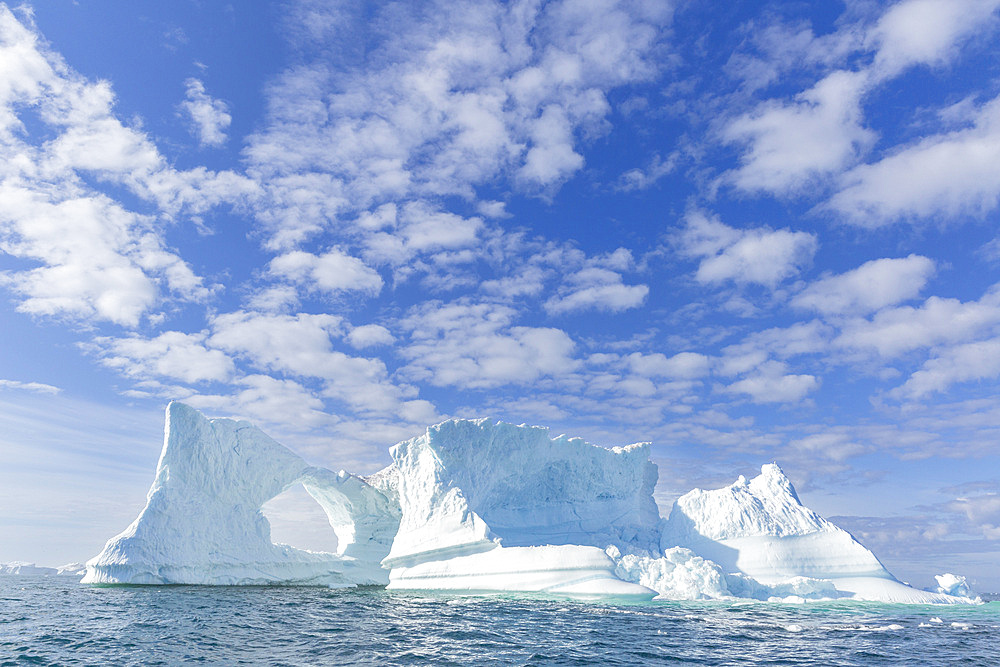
{"points": [[926, 32], [683, 365], [265, 399], [209, 116], [948, 174], [173, 355], [493, 91], [369, 335], [301, 345], [895, 331], [99, 260], [790, 145], [982, 511], [476, 345], [871, 286], [978, 360], [596, 289], [333, 271], [834, 445], [760, 255], [641, 179], [771, 384]]}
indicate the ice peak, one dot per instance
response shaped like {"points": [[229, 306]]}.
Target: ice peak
{"points": [[773, 481]]}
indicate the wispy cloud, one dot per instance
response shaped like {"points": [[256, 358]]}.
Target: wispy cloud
{"points": [[209, 117]]}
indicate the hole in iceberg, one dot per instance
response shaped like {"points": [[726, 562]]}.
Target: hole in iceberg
{"points": [[298, 520]]}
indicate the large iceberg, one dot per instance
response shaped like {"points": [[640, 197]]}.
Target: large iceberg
{"points": [[202, 522], [492, 506], [759, 528], [22, 568], [477, 506]]}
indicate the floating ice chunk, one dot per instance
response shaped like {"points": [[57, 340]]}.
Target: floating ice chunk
{"points": [[72, 569], [680, 574], [677, 575], [952, 584], [202, 522]]}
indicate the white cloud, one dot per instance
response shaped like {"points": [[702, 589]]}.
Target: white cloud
{"points": [[871, 286], [833, 445], [551, 157], [683, 365], [978, 360], [425, 228], [642, 179], [369, 335], [172, 354], [35, 387], [301, 345], [982, 511], [595, 288], [268, 400], [209, 116], [949, 174], [895, 331], [333, 271], [99, 260], [791, 145], [453, 96], [770, 384], [474, 345], [760, 255], [926, 32], [800, 338]]}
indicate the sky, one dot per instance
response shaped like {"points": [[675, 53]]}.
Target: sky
{"points": [[744, 232]]}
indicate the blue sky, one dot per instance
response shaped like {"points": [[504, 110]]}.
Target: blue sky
{"points": [[749, 233]]}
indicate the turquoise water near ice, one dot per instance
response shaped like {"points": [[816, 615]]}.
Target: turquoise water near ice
{"points": [[56, 621]]}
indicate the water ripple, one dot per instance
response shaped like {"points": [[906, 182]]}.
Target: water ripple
{"points": [[53, 620]]}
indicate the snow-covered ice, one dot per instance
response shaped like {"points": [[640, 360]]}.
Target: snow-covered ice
{"points": [[477, 506], [202, 522], [23, 568], [761, 529], [493, 506]]}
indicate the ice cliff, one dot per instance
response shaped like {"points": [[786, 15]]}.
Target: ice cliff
{"points": [[202, 522], [474, 506], [492, 506]]}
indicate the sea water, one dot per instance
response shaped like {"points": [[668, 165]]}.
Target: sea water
{"points": [[56, 621]]}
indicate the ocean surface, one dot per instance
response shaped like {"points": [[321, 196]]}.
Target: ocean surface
{"points": [[56, 621]]}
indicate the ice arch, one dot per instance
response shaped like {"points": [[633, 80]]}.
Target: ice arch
{"points": [[202, 522]]}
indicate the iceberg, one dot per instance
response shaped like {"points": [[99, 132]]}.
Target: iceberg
{"points": [[23, 568], [496, 507], [760, 528], [476, 506], [952, 584], [18, 567], [202, 522]]}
